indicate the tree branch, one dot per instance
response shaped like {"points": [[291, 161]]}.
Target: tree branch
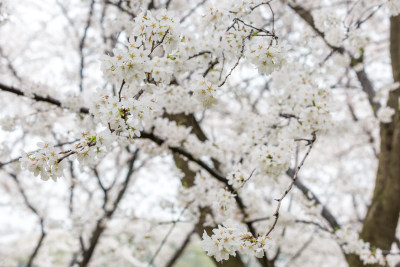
{"points": [[180, 250], [325, 213], [41, 220], [362, 76], [124, 10], [82, 44], [294, 178], [36, 97], [169, 233], [100, 226]]}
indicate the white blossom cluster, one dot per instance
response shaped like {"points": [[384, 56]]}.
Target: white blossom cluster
{"points": [[205, 91], [48, 162], [394, 7], [274, 160], [73, 102], [175, 99], [8, 123], [266, 57], [230, 238], [307, 105], [236, 178], [125, 117], [134, 64], [385, 114], [34, 88], [224, 202], [93, 147], [330, 24], [200, 149], [357, 41], [163, 69], [44, 162], [206, 192], [171, 132], [352, 244]]}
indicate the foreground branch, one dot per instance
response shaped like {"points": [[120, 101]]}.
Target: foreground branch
{"points": [[294, 178]]}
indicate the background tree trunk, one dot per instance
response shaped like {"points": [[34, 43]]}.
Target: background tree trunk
{"points": [[380, 224]]}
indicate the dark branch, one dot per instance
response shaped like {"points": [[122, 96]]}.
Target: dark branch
{"points": [[169, 233], [192, 11], [214, 173], [82, 45], [362, 76], [294, 178], [36, 97], [33, 209], [101, 223], [180, 250], [130, 13], [325, 213]]}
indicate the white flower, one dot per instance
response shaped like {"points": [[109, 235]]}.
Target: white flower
{"points": [[205, 91], [224, 202], [394, 7], [124, 118], [352, 244], [274, 160], [236, 178], [335, 36], [357, 40], [385, 114], [267, 58], [325, 19], [45, 162], [226, 240], [172, 133]]}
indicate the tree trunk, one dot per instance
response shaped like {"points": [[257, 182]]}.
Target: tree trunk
{"points": [[383, 214]]}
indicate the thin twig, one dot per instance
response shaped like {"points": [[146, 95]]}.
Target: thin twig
{"points": [[167, 4], [294, 178], [137, 96], [18, 158], [155, 45], [298, 253], [120, 89], [361, 21], [72, 187], [37, 97], [130, 13], [82, 45], [200, 54], [10, 66], [100, 225], [192, 11], [169, 233], [237, 62], [41, 220], [180, 250]]}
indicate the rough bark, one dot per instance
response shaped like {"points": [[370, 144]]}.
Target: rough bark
{"points": [[383, 214]]}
